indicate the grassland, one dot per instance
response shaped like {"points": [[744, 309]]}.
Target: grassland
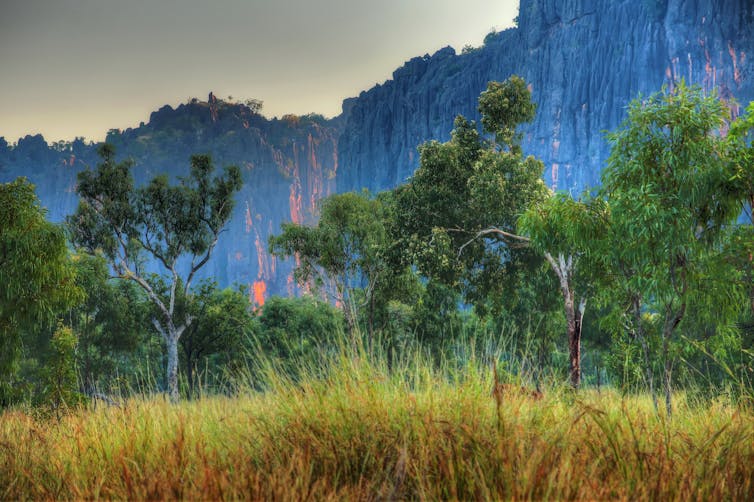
{"points": [[361, 431]]}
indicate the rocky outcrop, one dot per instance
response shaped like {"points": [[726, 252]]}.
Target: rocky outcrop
{"points": [[585, 61], [287, 166]]}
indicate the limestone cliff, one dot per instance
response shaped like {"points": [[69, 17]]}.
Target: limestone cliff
{"points": [[287, 166], [585, 60]]}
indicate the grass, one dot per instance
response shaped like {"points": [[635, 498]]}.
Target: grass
{"points": [[358, 430]]}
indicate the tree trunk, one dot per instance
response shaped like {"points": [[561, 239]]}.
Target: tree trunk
{"points": [[639, 333], [190, 378], [172, 375], [574, 318], [648, 373], [563, 268], [667, 368]]}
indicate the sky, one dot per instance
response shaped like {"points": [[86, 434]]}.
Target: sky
{"points": [[77, 68]]}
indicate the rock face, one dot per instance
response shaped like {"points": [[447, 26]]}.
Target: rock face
{"points": [[585, 61], [287, 166]]}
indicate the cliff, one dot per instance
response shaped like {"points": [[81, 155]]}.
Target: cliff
{"points": [[287, 166], [585, 61]]}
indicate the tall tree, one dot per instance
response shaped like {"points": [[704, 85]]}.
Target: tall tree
{"points": [[35, 273], [668, 185], [166, 222], [570, 233], [460, 212]]}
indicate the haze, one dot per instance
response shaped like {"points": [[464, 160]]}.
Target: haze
{"points": [[80, 67]]}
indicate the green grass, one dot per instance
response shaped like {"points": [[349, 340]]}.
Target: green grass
{"points": [[356, 430]]}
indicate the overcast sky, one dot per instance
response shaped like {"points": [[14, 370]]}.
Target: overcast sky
{"points": [[80, 67]]}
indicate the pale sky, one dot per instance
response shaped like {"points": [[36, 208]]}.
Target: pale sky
{"points": [[80, 67]]}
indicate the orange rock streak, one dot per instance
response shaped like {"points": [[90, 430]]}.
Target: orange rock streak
{"points": [[259, 290]]}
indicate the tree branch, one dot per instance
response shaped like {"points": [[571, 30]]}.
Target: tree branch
{"points": [[506, 236]]}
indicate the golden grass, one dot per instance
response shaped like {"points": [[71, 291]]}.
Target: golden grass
{"points": [[363, 432]]}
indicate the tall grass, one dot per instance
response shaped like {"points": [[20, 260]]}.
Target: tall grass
{"points": [[363, 426]]}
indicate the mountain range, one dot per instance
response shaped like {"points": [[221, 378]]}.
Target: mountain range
{"points": [[584, 60]]}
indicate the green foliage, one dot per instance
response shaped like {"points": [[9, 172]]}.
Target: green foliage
{"points": [[740, 246], [561, 224], [461, 189], [214, 343], [59, 377], [293, 330], [164, 221], [668, 181], [35, 272], [436, 318], [504, 107], [111, 324], [349, 256]]}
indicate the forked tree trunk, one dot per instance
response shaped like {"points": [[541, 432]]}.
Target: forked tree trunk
{"points": [[171, 335], [563, 268]]}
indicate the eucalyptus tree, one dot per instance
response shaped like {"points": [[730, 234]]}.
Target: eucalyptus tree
{"points": [[165, 222], [570, 235], [36, 275], [460, 212], [668, 182], [741, 138]]}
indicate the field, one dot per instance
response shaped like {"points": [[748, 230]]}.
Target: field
{"points": [[361, 431]]}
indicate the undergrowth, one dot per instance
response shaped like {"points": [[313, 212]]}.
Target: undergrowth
{"points": [[362, 427]]}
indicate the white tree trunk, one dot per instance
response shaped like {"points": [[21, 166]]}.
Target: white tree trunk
{"points": [[172, 374]]}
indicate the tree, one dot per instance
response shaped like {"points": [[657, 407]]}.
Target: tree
{"points": [[293, 330], [349, 248], [110, 323], [460, 212], [59, 376], [668, 186], [165, 222], [35, 272], [215, 339], [568, 233]]}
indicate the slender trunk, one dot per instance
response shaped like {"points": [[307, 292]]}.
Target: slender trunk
{"points": [[667, 332], [667, 378], [573, 318], [563, 268], [648, 373], [190, 377], [371, 319], [672, 320], [350, 319], [639, 333], [172, 375]]}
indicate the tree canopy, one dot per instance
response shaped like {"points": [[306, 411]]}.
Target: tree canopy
{"points": [[35, 272], [668, 182], [164, 221]]}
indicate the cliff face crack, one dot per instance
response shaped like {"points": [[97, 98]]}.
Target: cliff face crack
{"points": [[578, 18]]}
